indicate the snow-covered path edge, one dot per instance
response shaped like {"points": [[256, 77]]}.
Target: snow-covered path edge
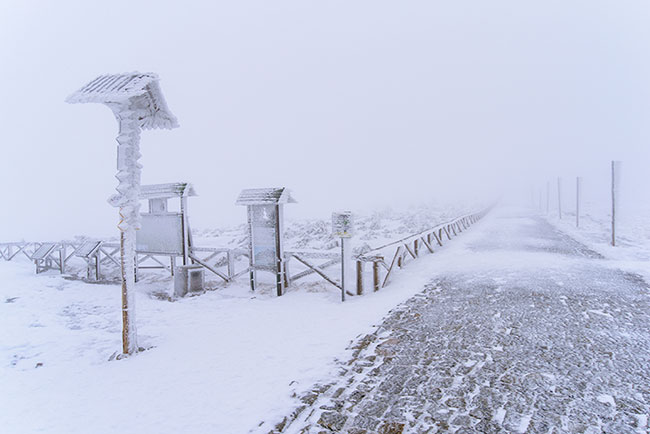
{"points": [[632, 259], [221, 362]]}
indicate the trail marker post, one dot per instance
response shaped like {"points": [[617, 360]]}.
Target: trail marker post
{"points": [[137, 103], [343, 228]]}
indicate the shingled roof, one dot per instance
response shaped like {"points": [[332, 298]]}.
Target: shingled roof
{"points": [[164, 191], [265, 196], [117, 88]]}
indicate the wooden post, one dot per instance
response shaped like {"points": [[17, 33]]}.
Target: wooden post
{"points": [[252, 272], [185, 231], [375, 275], [559, 197], [548, 197], [279, 251], [344, 252], [360, 277], [287, 275], [230, 257]]}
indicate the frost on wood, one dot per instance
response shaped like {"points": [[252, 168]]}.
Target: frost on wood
{"points": [[137, 103]]}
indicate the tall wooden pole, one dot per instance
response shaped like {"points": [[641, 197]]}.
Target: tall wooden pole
{"points": [[128, 175], [137, 103]]}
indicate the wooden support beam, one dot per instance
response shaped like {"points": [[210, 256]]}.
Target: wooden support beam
{"points": [[318, 271], [209, 268], [392, 265], [414, 255], [428, 245]]}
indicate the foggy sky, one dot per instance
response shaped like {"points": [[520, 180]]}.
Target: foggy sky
{"points": [[351, 104]]}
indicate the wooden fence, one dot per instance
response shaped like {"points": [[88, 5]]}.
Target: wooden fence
{"points": [[408, 249], [227, 265]]}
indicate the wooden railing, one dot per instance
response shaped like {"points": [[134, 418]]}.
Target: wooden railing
{"points": [[408, 249], [223, 261]]}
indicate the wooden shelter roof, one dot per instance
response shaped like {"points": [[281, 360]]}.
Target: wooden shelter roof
{"points": [[265, 196], [118, 88]]}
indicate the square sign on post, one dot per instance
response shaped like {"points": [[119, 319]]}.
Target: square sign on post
{"points": [[265, 230], [342, 227], [342, 224]]}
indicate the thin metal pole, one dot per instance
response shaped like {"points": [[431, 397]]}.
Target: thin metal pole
{"points": [[548, 197]]}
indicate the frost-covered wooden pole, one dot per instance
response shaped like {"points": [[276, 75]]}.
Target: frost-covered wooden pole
{"points": [[137, 103]]}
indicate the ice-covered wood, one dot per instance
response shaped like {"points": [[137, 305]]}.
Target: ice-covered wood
{"points": [[167, 191], [265, 196], [137, 103], [116, 88]]}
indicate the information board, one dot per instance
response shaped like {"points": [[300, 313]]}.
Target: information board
{"points": [[160, 233], [264, 233]]}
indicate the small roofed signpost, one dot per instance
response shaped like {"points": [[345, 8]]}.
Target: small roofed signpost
{"points": [[342, 227], [265, 232], [137, 103]]}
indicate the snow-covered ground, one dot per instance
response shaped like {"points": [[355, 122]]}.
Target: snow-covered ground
{"points": [[221, 362], [632, 250]]}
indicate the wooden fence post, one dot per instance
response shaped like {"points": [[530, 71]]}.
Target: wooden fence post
{"points": [[359, 277], [375, 275]]}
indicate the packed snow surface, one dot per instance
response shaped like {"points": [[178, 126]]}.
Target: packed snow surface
{"points": [[521, 330], [220, 362]]}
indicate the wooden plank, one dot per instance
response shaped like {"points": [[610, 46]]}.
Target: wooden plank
{"points": [[310, 271], [21, 249], [209, 268], [317, 271], [392, 264], [428, 246], [110, 256], [410, 252]]}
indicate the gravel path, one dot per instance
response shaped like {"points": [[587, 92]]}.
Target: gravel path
{"points": [[535, 335]]}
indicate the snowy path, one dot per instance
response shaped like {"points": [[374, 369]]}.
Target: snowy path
{"points": [[527, 332]]}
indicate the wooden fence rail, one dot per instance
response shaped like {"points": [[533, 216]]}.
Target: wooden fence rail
{"points": [[408, 249], [224, 262]]}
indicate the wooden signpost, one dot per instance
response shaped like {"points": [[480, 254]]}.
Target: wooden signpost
{"points": [[137, 103]]}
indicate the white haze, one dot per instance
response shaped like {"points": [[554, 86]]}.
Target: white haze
{"points": [[351, 104]]}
